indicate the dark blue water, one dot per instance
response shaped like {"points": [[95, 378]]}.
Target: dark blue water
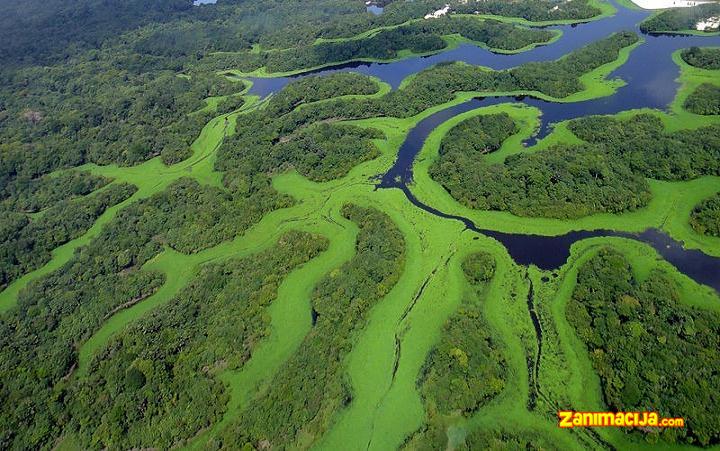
{"points": [[650, 75], [574, 37]]}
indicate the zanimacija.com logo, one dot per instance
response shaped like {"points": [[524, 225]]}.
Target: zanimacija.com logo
{"points": [[570, 419]]}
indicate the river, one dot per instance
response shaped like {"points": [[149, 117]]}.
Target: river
{"points": [[650, 75]]}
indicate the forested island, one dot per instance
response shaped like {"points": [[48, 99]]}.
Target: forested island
{"points": [[228, 226]]}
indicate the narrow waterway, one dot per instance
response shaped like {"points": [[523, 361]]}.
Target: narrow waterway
{"points": [[650, 76]]}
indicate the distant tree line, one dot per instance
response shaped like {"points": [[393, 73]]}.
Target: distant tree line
{"points": [[418, 37], [680, 19]]}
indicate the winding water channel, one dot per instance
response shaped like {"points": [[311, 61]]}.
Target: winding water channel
{"points": [[650, 75]]}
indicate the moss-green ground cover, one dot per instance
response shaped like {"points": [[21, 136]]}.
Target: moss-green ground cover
{"points": [[387, 410]]}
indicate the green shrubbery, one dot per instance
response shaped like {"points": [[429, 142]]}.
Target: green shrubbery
{"points": [[560, 182], [26, 243], [651, 351], [705, 100], [311, 387], [156, 383], [466, 369], [39, 339], [641, 141], [705, 217], [702, 57]]}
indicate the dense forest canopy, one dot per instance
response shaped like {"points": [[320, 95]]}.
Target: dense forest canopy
{"points": [[105, 342], [162, 372], [644, 343], [702, 57], [705, 217], [705, 100]]}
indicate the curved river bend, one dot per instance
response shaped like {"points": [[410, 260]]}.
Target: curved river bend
{"points": [[649, 74]]}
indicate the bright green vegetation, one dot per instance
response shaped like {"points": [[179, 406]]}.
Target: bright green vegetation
{"points": [[308, 390], [466, 368], [27, 242], [144, 116], [163, 371], [416, 37], [620, 318], [680, 20], [69, 305], [705, 99], [256, 290], [705, 217], [702, 57], [561, 182]]}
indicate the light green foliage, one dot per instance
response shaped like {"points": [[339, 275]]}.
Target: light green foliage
{"points": [[310, 387]]}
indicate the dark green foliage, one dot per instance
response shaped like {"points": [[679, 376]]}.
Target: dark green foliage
{"points": [[702, 57], [325, 151], [316, 88], [533, 10], [398, 12], [37, 31], [705, 99], [679, 19], [31, 196], [478, 135], [56, 313], [156, 384], [230, 104], [479, 267], [310, 387], [561, 182], [705, 217], [652, 352], [418, 37], [27, 242], [641, 141], [59, 123], [507, 441], [266, 141], [466, 369]]}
